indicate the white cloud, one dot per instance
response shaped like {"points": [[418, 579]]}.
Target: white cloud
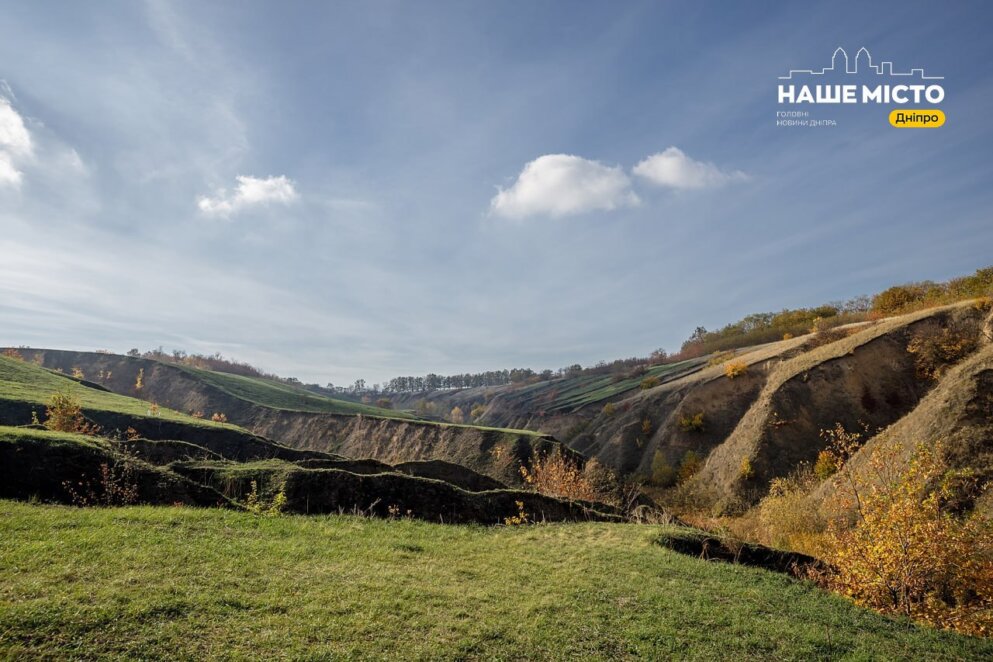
{"points": [[561, 185], [250, 192], [674, 169], [15, 144]]}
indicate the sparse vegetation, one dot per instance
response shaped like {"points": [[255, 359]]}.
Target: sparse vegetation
{"points": [[936, 347], [649, 382], [663, 474], [689, 466], [12, 353], [694, 423], [258, 505], [734, 369], [115, 486], [558, 475]]}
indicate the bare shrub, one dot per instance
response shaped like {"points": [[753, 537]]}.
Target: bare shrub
{"points": [[117, 485]]}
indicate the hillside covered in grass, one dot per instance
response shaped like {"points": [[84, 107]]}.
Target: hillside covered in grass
{"points": [[183, 583], [30, 384]]}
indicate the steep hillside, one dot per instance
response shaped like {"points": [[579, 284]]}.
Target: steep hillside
{"points": [[298, 418], [868, 381], [957, 416]]}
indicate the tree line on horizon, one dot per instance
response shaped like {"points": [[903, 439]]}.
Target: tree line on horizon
{"points": [[754, 329]]}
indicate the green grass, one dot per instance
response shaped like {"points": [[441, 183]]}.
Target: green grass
{"points": [[178, 583], [15, 435], [277, 395], [21, 381], [573, 393]]}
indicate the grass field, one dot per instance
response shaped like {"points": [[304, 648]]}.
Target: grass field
{"points": [[180, 583], [25, 382]]}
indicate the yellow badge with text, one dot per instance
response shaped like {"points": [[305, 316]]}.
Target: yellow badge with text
{"points": [[917, 119]]}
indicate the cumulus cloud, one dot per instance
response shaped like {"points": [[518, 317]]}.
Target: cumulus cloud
{"points": [[672, 168], [562, 185], [15, 144], [250, 192]]}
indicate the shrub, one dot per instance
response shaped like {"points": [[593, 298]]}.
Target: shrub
{"points": [[733, 369], [663, 475], [384, 403], [117, 485], [12, 353], [554, 474], [787, 519], [826, 465], [745, 469], [139, 380], [456, 415], [77, 373], [936, 348], [254, 502], [519, 518], [609, 409], [646, 427], [905, 554], [690, 465], [651, 381], [476, 411], [840, 445], [219, 417], [64, 413], [692, 423], [787, 336]]}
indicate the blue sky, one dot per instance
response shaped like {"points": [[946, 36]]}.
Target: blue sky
{"points": [[366, 189]]}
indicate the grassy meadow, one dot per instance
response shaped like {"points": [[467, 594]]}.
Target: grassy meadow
{"points": [[182, 583]]}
